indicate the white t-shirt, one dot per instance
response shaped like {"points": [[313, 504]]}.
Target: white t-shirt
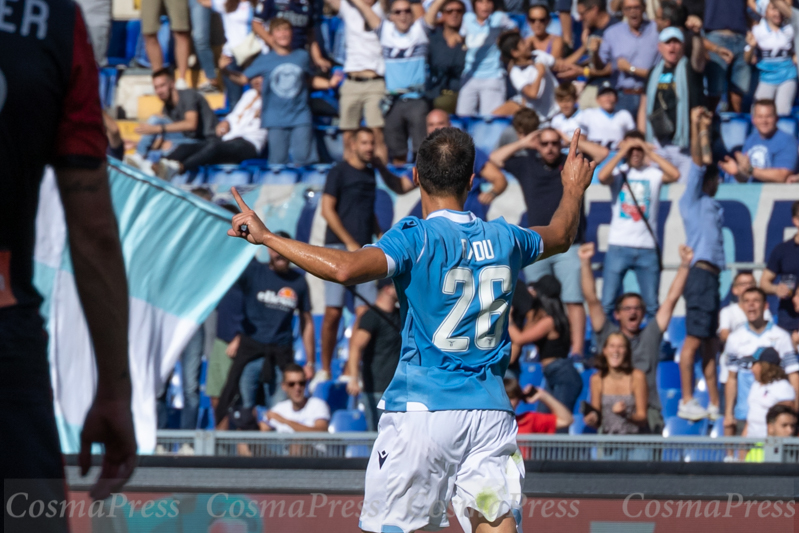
{"points": [[566, 125], [774, 44], [627, 228], [544, 104], [363, 45], [315, 409], [237, 25], [731, 318], [761, 399], [604, 128], [245, 120], [405, 56]]}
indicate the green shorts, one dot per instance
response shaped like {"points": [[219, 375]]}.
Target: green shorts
{"points": [[218, 367]]}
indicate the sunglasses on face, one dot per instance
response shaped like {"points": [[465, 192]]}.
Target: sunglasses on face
{"points": [[631, 308], [632, 8], [401, 12], [533, 21], [453, 10], [549, 143], [292, 384]]}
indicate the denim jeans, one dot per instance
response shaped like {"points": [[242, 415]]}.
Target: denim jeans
{"points": [[251, 378], [370, 411], [563, 383], [233, 91], [630, 102], [719, 73], [299, 140], [644, 262], [146, 142], [201, 35], [190, 364]]}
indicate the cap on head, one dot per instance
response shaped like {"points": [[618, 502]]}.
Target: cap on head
{"points": [[671, 33], [606, 87], [767, 355]]}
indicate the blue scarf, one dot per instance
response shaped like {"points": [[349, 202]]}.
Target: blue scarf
{"points": [[682, 132]]}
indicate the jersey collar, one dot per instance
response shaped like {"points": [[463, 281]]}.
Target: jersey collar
{"points": [[459, 217], [769, 325]]}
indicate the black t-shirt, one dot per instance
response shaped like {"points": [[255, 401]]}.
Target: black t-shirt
{"points": [[49, 114], [445, 65], [270, 301], [667, 94], [191, 100], [381, 355], [301, 14], [355, 192], [542, 188], [784, 259]]}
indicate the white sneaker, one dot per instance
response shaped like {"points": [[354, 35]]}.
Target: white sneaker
{"points": [[186, 449], [180, 84], [713, 412], [166, 169], [691, 410], [160, 450], [319, 377], [134, 160]]}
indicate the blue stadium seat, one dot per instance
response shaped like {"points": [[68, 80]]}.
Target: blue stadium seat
{"points": [[276, 175], [585, 394], [676, 426], [347, 420], [675, 333], [520, 19], [132, 38], [788, 125], [337, 367], [670, 401], [702, 397], [205, 415], [108, 85], [717, 427], [228, 175], [668, 375], [117, 43], [462, 123], [532, 374], [525, 407], [734, 130], [315, 175], [486, 131], [335, 394]]}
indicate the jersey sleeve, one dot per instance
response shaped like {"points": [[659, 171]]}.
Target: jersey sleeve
{"points": [[529, 242], [80, 138], [402, 244]]}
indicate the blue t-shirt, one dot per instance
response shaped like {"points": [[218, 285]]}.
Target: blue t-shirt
{"points": [[285, 92], [270, 301], [301, 14], [405, 55], [455, 276], [482, 53], [726, 15], [472, 203], [780, 151]]}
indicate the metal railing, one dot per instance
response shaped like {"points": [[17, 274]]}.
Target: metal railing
{"points": [[571, 448]]}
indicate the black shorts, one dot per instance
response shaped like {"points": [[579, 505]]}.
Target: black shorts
{"points": [[702, 303], [30, 453]]}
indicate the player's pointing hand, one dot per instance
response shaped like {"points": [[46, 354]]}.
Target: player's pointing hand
{"points": [[578, 171], [246, 224]]}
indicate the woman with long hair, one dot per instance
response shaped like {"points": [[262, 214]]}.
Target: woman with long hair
{"points": [[549, 331], [771, 387], [537, 20], [618, 390]]}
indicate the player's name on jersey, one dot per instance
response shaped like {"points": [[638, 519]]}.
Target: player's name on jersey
{"points": [[26, 17]]}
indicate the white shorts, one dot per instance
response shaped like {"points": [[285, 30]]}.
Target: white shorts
{"points": [[422, 461]]}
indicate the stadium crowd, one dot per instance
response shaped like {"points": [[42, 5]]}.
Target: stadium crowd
{"points": [[643, 80]]}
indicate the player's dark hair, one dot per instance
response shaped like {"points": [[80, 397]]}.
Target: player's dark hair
{"points": [[627, 363], [620, 299], [778, 410], [525, 121], [634, 134], [589, 4], [445, 162], [795, 209], [675, 13], [292, 367], [507, 43], [166, 71], [362, 129], [758, 290]]}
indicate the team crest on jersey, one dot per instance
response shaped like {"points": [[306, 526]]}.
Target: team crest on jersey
{"points": [[284, 299]]}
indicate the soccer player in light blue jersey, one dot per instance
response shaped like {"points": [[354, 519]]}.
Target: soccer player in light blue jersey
{"points": [[448, 433]]}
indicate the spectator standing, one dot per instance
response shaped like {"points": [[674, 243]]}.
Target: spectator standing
{"points": [[629, 313], [264, 343], [769, 154], [538, 20], [557, 416], [530, 76], [179, 24], [536, 161], [673, 89], [772, 39], [348, 207], [771, 387], [239, 137], [606, 125], [618, 390], [185, 118], [733, 316], [404, 43], [703, 218], [236, 16], [725, 31], [784, 263], [740, 350], [200, 12], [376, 343], [446, 58], [483, 78], [190, 364], [568, 119], [365, 85], [303, 15], [631, 49], [297, 413], [596, 20], [635, 174], [229, 315], [286, 111]]}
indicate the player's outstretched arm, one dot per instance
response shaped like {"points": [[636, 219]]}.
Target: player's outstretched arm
{"points": [[347, 268], [559, 235]]}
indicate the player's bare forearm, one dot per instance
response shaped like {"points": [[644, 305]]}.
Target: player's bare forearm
{"points": [[99, 274]]}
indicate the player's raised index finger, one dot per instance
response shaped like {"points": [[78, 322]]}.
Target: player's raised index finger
{"points": [[574, 143], [239, 200]]}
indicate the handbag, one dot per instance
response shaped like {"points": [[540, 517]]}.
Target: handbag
{"points": [[247, 49], [662, 126]]}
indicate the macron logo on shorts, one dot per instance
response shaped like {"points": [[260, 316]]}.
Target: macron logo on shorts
{"points": [[381, 457]]}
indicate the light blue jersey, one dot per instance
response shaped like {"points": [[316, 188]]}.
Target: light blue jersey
{"points": [[455, 276]]}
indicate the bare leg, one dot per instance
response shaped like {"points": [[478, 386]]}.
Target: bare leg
{"points": [[736, 101], [689, 348], [503, 524], [329, 335], [709, 349], [182, 51], [577, 324], [154, 54]]}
